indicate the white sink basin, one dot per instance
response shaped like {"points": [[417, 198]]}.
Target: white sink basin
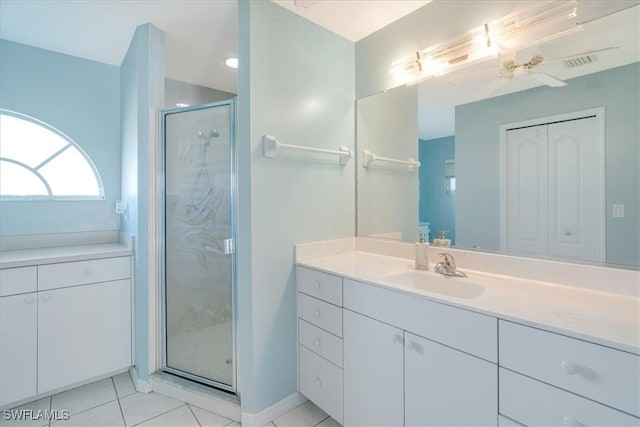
{"points": [[437, 283]]}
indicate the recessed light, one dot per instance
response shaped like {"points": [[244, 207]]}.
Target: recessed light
{"points": [[231, 62]]}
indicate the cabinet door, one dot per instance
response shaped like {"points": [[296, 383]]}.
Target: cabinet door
{"points": [[576, 223], [18, 347], [527, 190], [445, 387], [83, 332], [373, 372]]}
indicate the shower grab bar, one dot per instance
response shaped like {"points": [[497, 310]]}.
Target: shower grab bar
{"points": [[368, 157], [271, 145]]}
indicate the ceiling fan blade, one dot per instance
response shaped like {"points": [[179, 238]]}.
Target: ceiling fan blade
{"points": [[547, 79], [495, 86], [473, 76]]}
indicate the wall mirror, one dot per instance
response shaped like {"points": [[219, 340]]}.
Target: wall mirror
{"points": [[461, 127]]}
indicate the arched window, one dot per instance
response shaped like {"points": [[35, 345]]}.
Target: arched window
{"points": [[38, 162]]}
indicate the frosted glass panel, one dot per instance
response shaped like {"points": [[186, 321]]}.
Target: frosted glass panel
{"points": [[199, 273]]}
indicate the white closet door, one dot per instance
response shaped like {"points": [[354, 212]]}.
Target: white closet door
{"points": [[527, 190], [575, 191]]}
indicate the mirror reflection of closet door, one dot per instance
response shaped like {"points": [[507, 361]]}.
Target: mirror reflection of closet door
{"points": [[199, 251], [554, 195]]}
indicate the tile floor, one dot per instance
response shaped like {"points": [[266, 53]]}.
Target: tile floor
{"points": [[115, 402]]}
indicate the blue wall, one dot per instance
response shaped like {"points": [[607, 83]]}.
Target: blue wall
{"points": [[142, 75], [436, 206], [300, 89], [478, 147], [82, 99]]}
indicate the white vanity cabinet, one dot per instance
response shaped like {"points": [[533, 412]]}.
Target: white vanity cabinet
{"points": [[393, 376], [18, 333], [320, 340], [373, 372], [62, 324], [410, 360], [577, 382]]}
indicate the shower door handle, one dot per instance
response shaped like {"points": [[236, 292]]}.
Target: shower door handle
{"points": [[229, 246]]}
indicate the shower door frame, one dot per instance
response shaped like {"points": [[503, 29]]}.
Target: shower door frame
{"points": [[233, 388]]}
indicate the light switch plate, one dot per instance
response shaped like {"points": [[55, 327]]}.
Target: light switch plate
{"points": [[618, 211]]}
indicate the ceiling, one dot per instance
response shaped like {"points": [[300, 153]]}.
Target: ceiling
{"points": [[200, 34], [352, 19]]}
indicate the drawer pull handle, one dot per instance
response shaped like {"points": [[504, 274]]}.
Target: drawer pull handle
{"points": [[569, 367], [398, 338], [415, 347], [318, 284], [318, 382], [46, 297], [316, 312], [88, 272], [318, 342], [29, 299], [571, 422]]}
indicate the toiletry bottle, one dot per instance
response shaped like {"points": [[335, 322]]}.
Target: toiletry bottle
{"points": [[422, 253], [441, 241]]}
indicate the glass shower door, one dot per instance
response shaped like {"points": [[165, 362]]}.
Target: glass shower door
{"points": [[199, 321]]}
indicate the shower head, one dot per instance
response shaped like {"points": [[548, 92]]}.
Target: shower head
{"points": [[213, 133]]}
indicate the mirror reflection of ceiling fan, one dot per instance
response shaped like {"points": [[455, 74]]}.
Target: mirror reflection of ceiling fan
{"points": [[510, 68]]}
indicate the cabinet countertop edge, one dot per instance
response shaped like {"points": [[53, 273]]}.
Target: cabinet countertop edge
{"points": [[42, 256], [585, 320]]}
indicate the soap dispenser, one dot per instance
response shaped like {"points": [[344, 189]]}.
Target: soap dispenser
{"points": [[441, 241], [422, 253]]}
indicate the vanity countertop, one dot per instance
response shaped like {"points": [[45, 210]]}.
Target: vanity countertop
{"points": [[39, 256], [606, 318]]}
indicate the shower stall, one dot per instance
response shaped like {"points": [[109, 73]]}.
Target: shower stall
{"points": [[199, 251]]}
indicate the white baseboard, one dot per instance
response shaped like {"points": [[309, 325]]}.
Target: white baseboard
{"points": [[272, 412], [141, 386]]}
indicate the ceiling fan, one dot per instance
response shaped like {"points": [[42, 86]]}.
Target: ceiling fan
{"points": [[511, 68]]}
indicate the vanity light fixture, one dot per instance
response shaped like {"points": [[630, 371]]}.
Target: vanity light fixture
{"points": [[495, 38], [231, 62]]}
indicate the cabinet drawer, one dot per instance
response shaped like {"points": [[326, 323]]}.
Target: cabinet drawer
{"points": [[324, 286], [533, 403], [591, 370], [461, 329], [320, 341], [18, 280], [321, 382], [83, 272], [320, 313]]}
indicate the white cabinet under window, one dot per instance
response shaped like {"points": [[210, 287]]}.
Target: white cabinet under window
{"points": [[83, 332], [553, 200], [18, 347], [61, 324]]}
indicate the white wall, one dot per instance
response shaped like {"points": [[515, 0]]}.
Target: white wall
{"points": [[297, 83]]}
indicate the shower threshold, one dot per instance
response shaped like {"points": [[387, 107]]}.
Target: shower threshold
{"points": [[207, 397]]}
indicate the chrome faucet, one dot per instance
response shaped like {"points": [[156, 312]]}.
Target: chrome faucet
{"points": [[448, 266]]}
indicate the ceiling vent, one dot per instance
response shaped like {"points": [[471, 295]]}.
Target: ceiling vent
{"points": [[579, 61]]}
